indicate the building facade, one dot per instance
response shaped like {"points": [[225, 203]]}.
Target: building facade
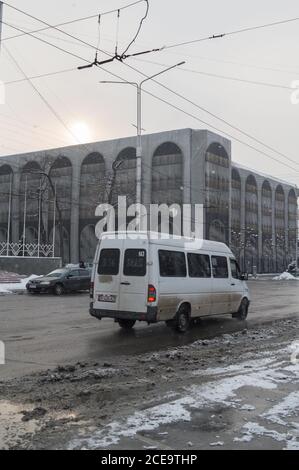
{"points": [[253, 213]]}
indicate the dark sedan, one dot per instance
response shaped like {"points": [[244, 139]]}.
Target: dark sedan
{"points": [[61, 281]]}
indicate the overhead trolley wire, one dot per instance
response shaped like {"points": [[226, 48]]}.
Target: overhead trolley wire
{"points": [[231, 33], [182, 97]]}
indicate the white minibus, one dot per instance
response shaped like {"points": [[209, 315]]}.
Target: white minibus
{"points": [[141, 276]]}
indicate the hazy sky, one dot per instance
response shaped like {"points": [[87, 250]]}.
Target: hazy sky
{"points": [[108, 111]]}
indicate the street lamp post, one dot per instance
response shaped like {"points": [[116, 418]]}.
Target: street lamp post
{"points": [[139, 125]]}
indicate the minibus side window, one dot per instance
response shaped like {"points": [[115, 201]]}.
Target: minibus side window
{"points": [[172, 264], [236, 273], [109, 262], [135, 262], [220, 267], [199, 265]]}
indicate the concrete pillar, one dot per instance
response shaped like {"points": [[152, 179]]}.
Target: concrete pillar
{"points": [[15, 210], [74, 227], [260, 228]]}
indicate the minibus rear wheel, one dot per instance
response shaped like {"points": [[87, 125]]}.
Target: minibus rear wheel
{"points": [[182, 319], [126, 324], [243, 310]]}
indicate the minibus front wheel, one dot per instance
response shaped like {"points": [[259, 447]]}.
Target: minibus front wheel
{"points": [[242, 313], [126, 324]]}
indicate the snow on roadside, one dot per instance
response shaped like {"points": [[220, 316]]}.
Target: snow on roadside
{"points": [[15, 287], [264, 374], [285, 277]]}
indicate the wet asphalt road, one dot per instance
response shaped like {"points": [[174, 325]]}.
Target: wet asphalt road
{"points": [[44, 331]]}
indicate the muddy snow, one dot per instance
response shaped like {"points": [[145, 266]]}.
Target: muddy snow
{"points": [[232, 392]]}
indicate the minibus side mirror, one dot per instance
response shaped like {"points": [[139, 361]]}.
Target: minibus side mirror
{"points": [[244, 277]]}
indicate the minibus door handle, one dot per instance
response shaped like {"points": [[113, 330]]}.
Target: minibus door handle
{"points": [[125, 283], [233, 284]]}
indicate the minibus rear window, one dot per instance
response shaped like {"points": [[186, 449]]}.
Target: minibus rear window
{"points": [[109, 262], [220, 267], [172, 264], [135, 262], [199, 265]]}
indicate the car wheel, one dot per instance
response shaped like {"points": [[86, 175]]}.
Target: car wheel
{"points": [[182, 320], [126, 324], [243, 311], [58, 289]]}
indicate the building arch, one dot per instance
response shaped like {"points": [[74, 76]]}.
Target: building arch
{"points": [[236, 235], [124, 168], [280, 241], [6, 178], [88, 243], [167, 174], [61, 173], [251, 224], [217, 192], [31, 195], [5, 170], [66, 243], [267, 242], [292, 225], [92, 186]]}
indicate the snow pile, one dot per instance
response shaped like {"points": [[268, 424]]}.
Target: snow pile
{"points": [[285, 277], [15, 287]]}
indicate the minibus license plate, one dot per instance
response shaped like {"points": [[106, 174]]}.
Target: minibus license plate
{"points": [[107, 298]]}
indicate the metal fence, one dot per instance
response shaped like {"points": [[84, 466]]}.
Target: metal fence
{"points": [[32, 250]]}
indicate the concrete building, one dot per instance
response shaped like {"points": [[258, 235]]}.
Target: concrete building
{"points": [[255, 214]]}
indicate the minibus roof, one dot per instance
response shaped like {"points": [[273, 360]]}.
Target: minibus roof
{"points": [[165, 239]]}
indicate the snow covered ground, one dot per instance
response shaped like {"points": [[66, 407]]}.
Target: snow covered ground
{"points": [[253, 393], [285, 277], [7, 288]]}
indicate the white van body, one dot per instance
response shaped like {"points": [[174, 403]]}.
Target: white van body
{"points": [[138, 276]]}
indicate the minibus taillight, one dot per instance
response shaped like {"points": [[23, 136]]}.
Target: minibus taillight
{"points": [[152, 294], [91, 289]]}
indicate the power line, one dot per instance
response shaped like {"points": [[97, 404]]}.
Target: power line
{"points": [[181, 110], [46, 102], [231, 33], [224, 77], [186, 99], [44, 75], [116, 56], [46, 42], [67, 22], [139, 28]]}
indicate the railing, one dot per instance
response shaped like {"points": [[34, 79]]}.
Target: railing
{"points": [[32, 250]]}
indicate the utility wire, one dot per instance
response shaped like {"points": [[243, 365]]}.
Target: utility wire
{"points": [[175, 107], [224, 77], [46, 102], [231, 33], [121, 57], [203, 122], [139, 28], [44, 75], [67, 22]]}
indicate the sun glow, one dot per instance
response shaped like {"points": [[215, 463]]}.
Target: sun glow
{"points": [[81, 131]]}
